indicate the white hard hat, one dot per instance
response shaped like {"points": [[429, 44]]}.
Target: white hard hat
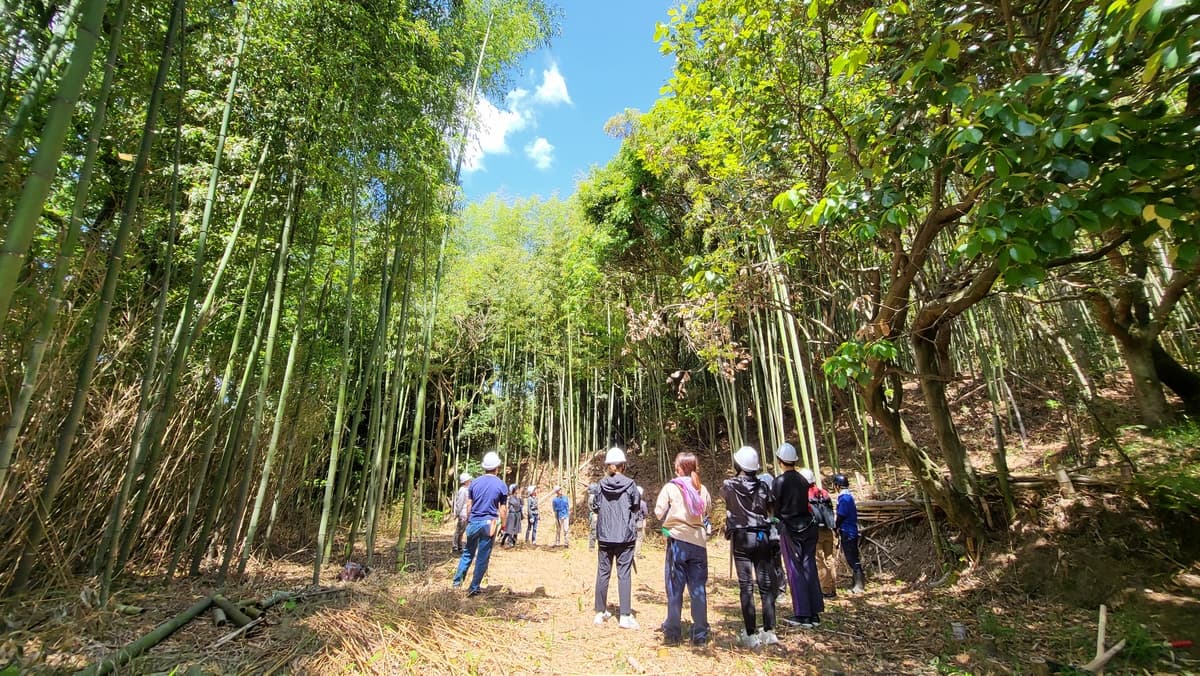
{"points": [[807, 474], [787, 453], [491, 460], [615, 456], [558, 489], [464, 477], [532, 489], [746, 458], [641, 491]]}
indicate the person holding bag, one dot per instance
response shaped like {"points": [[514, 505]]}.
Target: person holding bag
{"points": [[822, 509], [748, 526], [682, 507]]}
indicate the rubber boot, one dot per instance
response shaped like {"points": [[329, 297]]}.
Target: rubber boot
{"points": [[860, 581]]}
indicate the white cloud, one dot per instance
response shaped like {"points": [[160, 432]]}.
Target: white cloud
{"points": [[493, 124], [492, 127], [553, 89], [541, 152]]}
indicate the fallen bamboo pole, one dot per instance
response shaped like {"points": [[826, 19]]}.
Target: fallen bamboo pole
{"points": [[160, 633], [232, 612]]}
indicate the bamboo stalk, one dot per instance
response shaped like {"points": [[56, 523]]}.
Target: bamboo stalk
{"points": [[160, 633]]}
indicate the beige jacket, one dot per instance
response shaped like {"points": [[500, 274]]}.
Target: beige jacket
{"points": [[672, 511]]}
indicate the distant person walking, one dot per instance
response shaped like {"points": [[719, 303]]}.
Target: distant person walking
{"points": [[460, 511], [512, 527], [616, 509], [798, 540], [641, 522], [562, 517], [822, 508], [748, 526], [593, 496], [847, 525], [531, 518], [486, 505], [682, 506]]}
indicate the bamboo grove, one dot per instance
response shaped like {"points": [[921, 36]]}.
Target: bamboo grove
{"points": [[244, 311]]}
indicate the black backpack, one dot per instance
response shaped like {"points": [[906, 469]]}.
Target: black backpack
{"points": [[822, 511]]}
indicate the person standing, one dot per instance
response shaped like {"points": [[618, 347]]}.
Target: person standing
{"points": [[748, 526], [531, 512], [777, 562], [798, 541], [593, 505], [512, 527], [616, 512], [683, 506], [486, 506], [562, 517], [459, 509], [822, 508], [847, 526], [641, 522]]}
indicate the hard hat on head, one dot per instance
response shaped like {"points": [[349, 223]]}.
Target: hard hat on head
{"points": [[593, 488], [615, 456], [464, 477], [807, 474], [558, 489], [787, 453], [746, 458], [766, 478], [512, 488], [841, 481], [641, 491], [533, 489], [491, 460]]}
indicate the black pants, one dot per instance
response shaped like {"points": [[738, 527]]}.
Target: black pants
{"points": [[756, 560], [623, 553], [850, 551]]}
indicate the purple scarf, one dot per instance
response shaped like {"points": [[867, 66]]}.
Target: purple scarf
{"points": [[691, 496]]}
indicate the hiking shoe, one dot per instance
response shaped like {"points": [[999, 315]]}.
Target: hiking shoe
{"points": [[768, 637], [601, 617], [815, 621], [474, 592], [627, 622], [745, 640]]}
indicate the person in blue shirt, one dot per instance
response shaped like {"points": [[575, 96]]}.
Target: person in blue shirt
{"points": [[847, 527], [562, 516], [486, 500]]}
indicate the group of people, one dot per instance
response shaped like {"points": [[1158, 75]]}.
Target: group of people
{"points": [[775, 525]]}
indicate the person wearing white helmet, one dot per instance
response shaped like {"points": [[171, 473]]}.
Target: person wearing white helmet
{"points": [[459, 510], [822, 508], [748, 527], [798, 541], [616, 508], [487, 510]]}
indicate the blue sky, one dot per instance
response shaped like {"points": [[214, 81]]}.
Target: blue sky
{"points": [[549, 129]]}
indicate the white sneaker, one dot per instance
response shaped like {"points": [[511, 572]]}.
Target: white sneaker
{"points": [[768, 637], [747, 640], [627, 622], [601, 617]]}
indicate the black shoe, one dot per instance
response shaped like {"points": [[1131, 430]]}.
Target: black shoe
{"points": [[815, 621], [830, 595]]}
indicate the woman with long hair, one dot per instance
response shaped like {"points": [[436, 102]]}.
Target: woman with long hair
{"points": [[683, 506]]}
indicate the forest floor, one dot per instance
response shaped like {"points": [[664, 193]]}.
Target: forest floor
{"points": [[1031, 598], [536, 617]]}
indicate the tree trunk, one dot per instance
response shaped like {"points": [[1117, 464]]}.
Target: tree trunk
{"points": [[1153, 408], [1183, 382]]}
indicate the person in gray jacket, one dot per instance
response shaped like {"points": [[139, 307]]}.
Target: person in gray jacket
{"points": [[461, 510], [616, 507]]}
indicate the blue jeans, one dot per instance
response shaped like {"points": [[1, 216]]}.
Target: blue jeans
{"points": [[531, 529], [479, 548], [687, 564]]}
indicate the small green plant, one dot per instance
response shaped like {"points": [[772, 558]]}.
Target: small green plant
{"points": [[949, 667], [1141, 649], [989, 623]]}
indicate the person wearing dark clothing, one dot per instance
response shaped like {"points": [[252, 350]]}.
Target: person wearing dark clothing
{"points": [[487, 508], [616, 509], [767, 480], [798, 541], [748, 526], [593, 496], [531, 519], [847, 526], [512, 527], [640, 524]]}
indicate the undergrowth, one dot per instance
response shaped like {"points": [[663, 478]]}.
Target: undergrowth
{"points": [[1169, 479]]}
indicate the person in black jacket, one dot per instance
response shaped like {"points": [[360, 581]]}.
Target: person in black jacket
{"points": [[748, 524], [798, 540], [616, 507]]}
